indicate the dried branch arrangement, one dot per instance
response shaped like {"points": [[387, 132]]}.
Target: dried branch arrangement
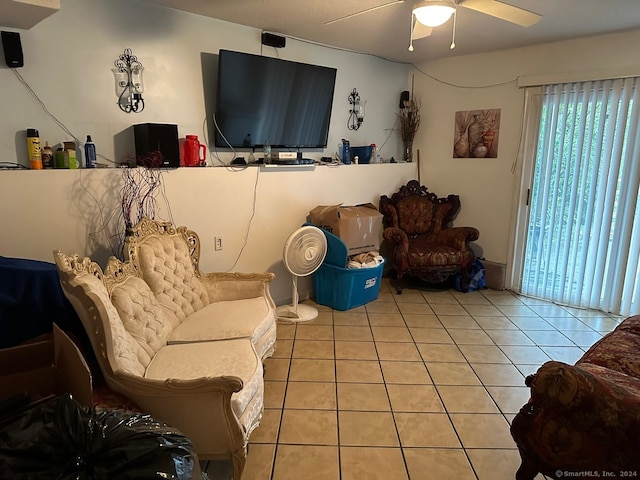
{"points": [[409, 118]]}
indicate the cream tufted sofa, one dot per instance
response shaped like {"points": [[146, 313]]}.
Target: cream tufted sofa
{"points": [[185, 347]]}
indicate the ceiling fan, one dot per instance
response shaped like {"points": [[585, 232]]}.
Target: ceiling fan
{"points": [[427, 14]]}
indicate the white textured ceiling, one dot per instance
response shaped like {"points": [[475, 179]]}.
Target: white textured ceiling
{"points": [[385, 32]]}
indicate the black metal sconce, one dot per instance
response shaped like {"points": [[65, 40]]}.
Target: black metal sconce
{"points": [[356, 112], [129, 86]]}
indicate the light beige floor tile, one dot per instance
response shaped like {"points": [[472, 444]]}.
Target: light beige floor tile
{"points": [[373, 429], [583, 338], [482, 310], [600, 324], [353, 333], [369, 397], [517, 310], [314, 332], [430, 335], [510, 337], [564, 324], [568, 355], [510, 399], [259, 463], [356, 351], [283, 349], [505, 375], [391, 334], [482, 430], [502, 297], [527, 369], [495, 464], [414, 398], [311, 395], [276, 368], [525, 354], [312, 370], [415, 308], [274, 394], [370, 463], [408, 296], [438, 464], [426, 430], [350, 319], [422, 321], [466, 399], [470, 337], [434, 352], [444, 309], [413, 373], [531, 323], [381, 307], [285, 331], [548, 338], [452, 374], [406, 352], [325, 314], [295, 462], [471, 298], [458, 321], [309, 427], [495, 323], [386, 320], [440, 297], [313, 349], [359, 371], [550, 311], [267, 431], [483, 354]]}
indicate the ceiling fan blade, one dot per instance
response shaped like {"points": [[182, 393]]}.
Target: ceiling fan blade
{"points": [[504, 11], [420, 30], [367, 10]]}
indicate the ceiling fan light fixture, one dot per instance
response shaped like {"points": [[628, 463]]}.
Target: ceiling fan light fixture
{"points": [[434, 13]]}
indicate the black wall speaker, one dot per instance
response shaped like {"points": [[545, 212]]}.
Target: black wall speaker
{"points": [[157, 145], [12, 49], [273, 40], [404, 97]]}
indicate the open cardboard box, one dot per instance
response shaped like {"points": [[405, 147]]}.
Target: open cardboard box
{"points": [[358, 226], [54, 366]]}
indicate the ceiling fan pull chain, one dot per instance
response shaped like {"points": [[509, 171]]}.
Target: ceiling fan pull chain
{"points": [[411, 35], [453, 39]]}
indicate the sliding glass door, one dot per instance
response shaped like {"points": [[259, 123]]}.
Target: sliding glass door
{"points": [[582, 241]]}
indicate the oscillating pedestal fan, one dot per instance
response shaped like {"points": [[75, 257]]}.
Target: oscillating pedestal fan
{"points": [[303, 253]]}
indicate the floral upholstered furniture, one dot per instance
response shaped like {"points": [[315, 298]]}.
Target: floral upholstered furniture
{"points": [[184, 347], [420, 236], [585, 418]]}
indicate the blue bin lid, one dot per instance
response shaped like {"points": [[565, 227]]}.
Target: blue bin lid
{"points": [[336, 249]]}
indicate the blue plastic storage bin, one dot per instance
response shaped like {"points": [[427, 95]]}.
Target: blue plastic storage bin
{"points": [[344, 288]]}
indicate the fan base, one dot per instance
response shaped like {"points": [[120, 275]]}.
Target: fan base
{"points": [[296, 314]]}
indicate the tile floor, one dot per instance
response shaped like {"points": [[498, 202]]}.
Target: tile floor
{"points": [[416, 386]]}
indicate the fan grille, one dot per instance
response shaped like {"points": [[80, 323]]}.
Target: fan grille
{"points": [[305, 250]]}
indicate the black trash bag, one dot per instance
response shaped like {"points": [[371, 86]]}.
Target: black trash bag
{"points": [[60, 440]]}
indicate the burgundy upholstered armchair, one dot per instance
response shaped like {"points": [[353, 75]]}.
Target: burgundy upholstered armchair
{"points": [[422, 241]]}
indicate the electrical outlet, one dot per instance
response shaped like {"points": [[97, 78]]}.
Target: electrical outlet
{"points": [[217, 243]]}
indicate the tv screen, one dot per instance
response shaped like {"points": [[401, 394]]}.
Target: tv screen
{"points": [[265, 100]]}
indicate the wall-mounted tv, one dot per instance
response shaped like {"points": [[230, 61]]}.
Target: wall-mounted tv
{"points": [[265, 100]]}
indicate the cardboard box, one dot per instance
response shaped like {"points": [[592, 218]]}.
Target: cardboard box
{"points": [[358, 226], [494, 274], [53, 366]]}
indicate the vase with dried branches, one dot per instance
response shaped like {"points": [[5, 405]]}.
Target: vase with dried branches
{"points": [[409, 122]]}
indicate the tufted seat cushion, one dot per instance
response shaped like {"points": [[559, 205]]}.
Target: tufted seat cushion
{"points": [[249, 318]]}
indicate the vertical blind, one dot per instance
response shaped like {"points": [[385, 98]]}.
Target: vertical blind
{"points": [[583, 241]]}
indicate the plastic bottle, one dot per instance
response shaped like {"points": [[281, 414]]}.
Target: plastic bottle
{"points": [[374, 154], [267, 153], [34, 149], [61, 157], [89, 153], [47, 156]]}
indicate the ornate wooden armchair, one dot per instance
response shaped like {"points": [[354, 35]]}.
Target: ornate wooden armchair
{"points": [[422, 242]]}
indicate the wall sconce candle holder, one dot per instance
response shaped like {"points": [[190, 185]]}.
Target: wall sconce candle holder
{"points": [[356, 112], [129, 86]]}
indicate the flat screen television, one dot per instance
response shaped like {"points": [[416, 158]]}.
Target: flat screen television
{"points": [[265, 100]]}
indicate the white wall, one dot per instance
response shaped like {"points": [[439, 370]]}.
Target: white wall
{"points": [[68, 61], [486, 185]]}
